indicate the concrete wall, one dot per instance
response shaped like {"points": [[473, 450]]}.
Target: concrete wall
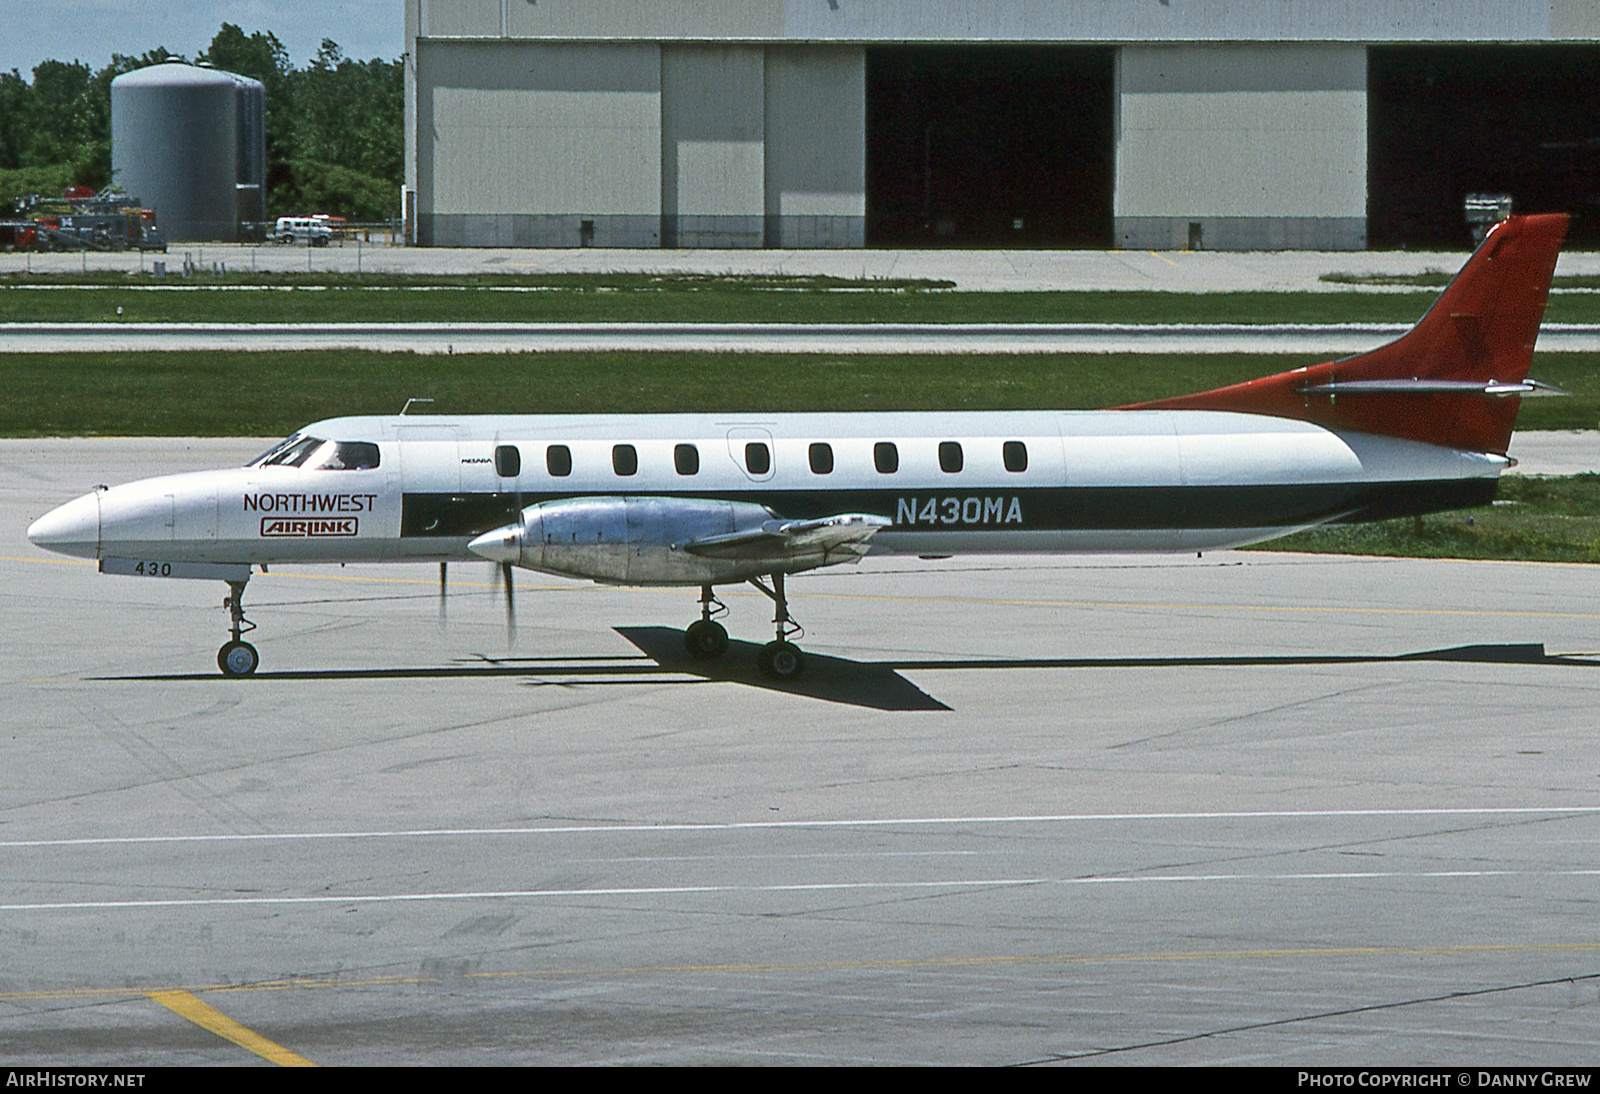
{"points": [[566, 144], [816, 146], [1113, 21], [1120, 21], [1262, 147], [655, 19], [713, 162], [730, 123], [538, 144]]}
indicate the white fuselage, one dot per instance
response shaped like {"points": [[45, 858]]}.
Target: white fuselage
{"points": [[1069, 481]]}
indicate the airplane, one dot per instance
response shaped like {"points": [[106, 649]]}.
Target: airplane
{"points": [[1419, 425]]}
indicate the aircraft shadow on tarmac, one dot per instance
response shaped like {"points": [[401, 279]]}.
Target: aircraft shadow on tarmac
{"points": [[835, 679], [878, 685]]}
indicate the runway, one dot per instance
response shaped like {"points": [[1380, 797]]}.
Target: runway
{"points": [[1246, 808], [447, 338]]}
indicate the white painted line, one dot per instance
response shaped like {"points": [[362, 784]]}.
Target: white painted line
{"points": [[811, 887], [515, 894], [871, 822]]}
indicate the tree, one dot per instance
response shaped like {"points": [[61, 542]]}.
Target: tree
{"points": [[334, 129], [349, 115], [15, 107], [260, 56]]}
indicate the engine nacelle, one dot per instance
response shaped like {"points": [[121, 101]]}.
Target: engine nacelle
{"points": [[629, 540]]}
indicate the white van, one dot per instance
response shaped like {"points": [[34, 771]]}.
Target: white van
{"points": [[306, 230]]}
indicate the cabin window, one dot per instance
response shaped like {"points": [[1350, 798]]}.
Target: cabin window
{"points": [[558, 460], [507, 461], [1016, 456], [886, 457], [686, 458], [950, 459], [624, 459], [758, 458], [350, 456], [821, 459]]}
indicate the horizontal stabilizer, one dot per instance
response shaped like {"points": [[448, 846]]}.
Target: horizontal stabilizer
{"points": [[1493, 389]]}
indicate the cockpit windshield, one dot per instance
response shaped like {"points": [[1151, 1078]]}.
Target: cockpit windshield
{"points": [[312, 453], [273, 451], [291, 453]]}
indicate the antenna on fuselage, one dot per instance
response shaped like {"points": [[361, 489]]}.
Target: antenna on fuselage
{"points": [[408, 405]]}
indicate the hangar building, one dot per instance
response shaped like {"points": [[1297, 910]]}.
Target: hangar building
{"points": [[1160, 124]]}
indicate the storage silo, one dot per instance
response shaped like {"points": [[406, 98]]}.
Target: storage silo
{"points": [[190, 143]]}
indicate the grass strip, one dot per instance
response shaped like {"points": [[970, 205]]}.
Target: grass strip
{"points": [[1533, 520], [211, 304], [1438, 279], [241, 394]]}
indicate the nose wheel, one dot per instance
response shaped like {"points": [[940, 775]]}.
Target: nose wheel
{"points": [[237, 657]]}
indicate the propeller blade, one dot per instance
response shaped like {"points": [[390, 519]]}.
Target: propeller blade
{"points": [[511, 604], [442, 584]]}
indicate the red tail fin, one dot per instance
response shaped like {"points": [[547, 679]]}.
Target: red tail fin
{"points": [[1478, 334]]}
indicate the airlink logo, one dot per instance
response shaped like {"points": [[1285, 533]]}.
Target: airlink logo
{"points": [[301, 527], [959, 511]]}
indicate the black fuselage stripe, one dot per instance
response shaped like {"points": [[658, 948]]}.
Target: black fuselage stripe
{"points": [[1039, 509]]}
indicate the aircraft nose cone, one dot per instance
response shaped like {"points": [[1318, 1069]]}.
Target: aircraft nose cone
{"points": [[500, 545], [72, 529]]}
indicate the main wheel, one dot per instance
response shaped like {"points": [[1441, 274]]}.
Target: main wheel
{"points": [[238, 659], [706, 640], [782, 660]]}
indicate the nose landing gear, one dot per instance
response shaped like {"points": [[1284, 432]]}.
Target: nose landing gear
{"points": [[237, 657]]}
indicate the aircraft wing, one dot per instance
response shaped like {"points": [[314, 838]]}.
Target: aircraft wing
{"points": [[820, 542]]}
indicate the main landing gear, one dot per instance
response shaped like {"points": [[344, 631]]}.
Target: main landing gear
{"points": [[780, 659], [237, 657]]}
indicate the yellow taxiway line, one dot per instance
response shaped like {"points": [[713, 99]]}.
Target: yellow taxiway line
{"points": [[207, 1017]]}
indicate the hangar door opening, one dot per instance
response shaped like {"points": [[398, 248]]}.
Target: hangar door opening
{"points": [[1447, 121], [989, 146]]}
